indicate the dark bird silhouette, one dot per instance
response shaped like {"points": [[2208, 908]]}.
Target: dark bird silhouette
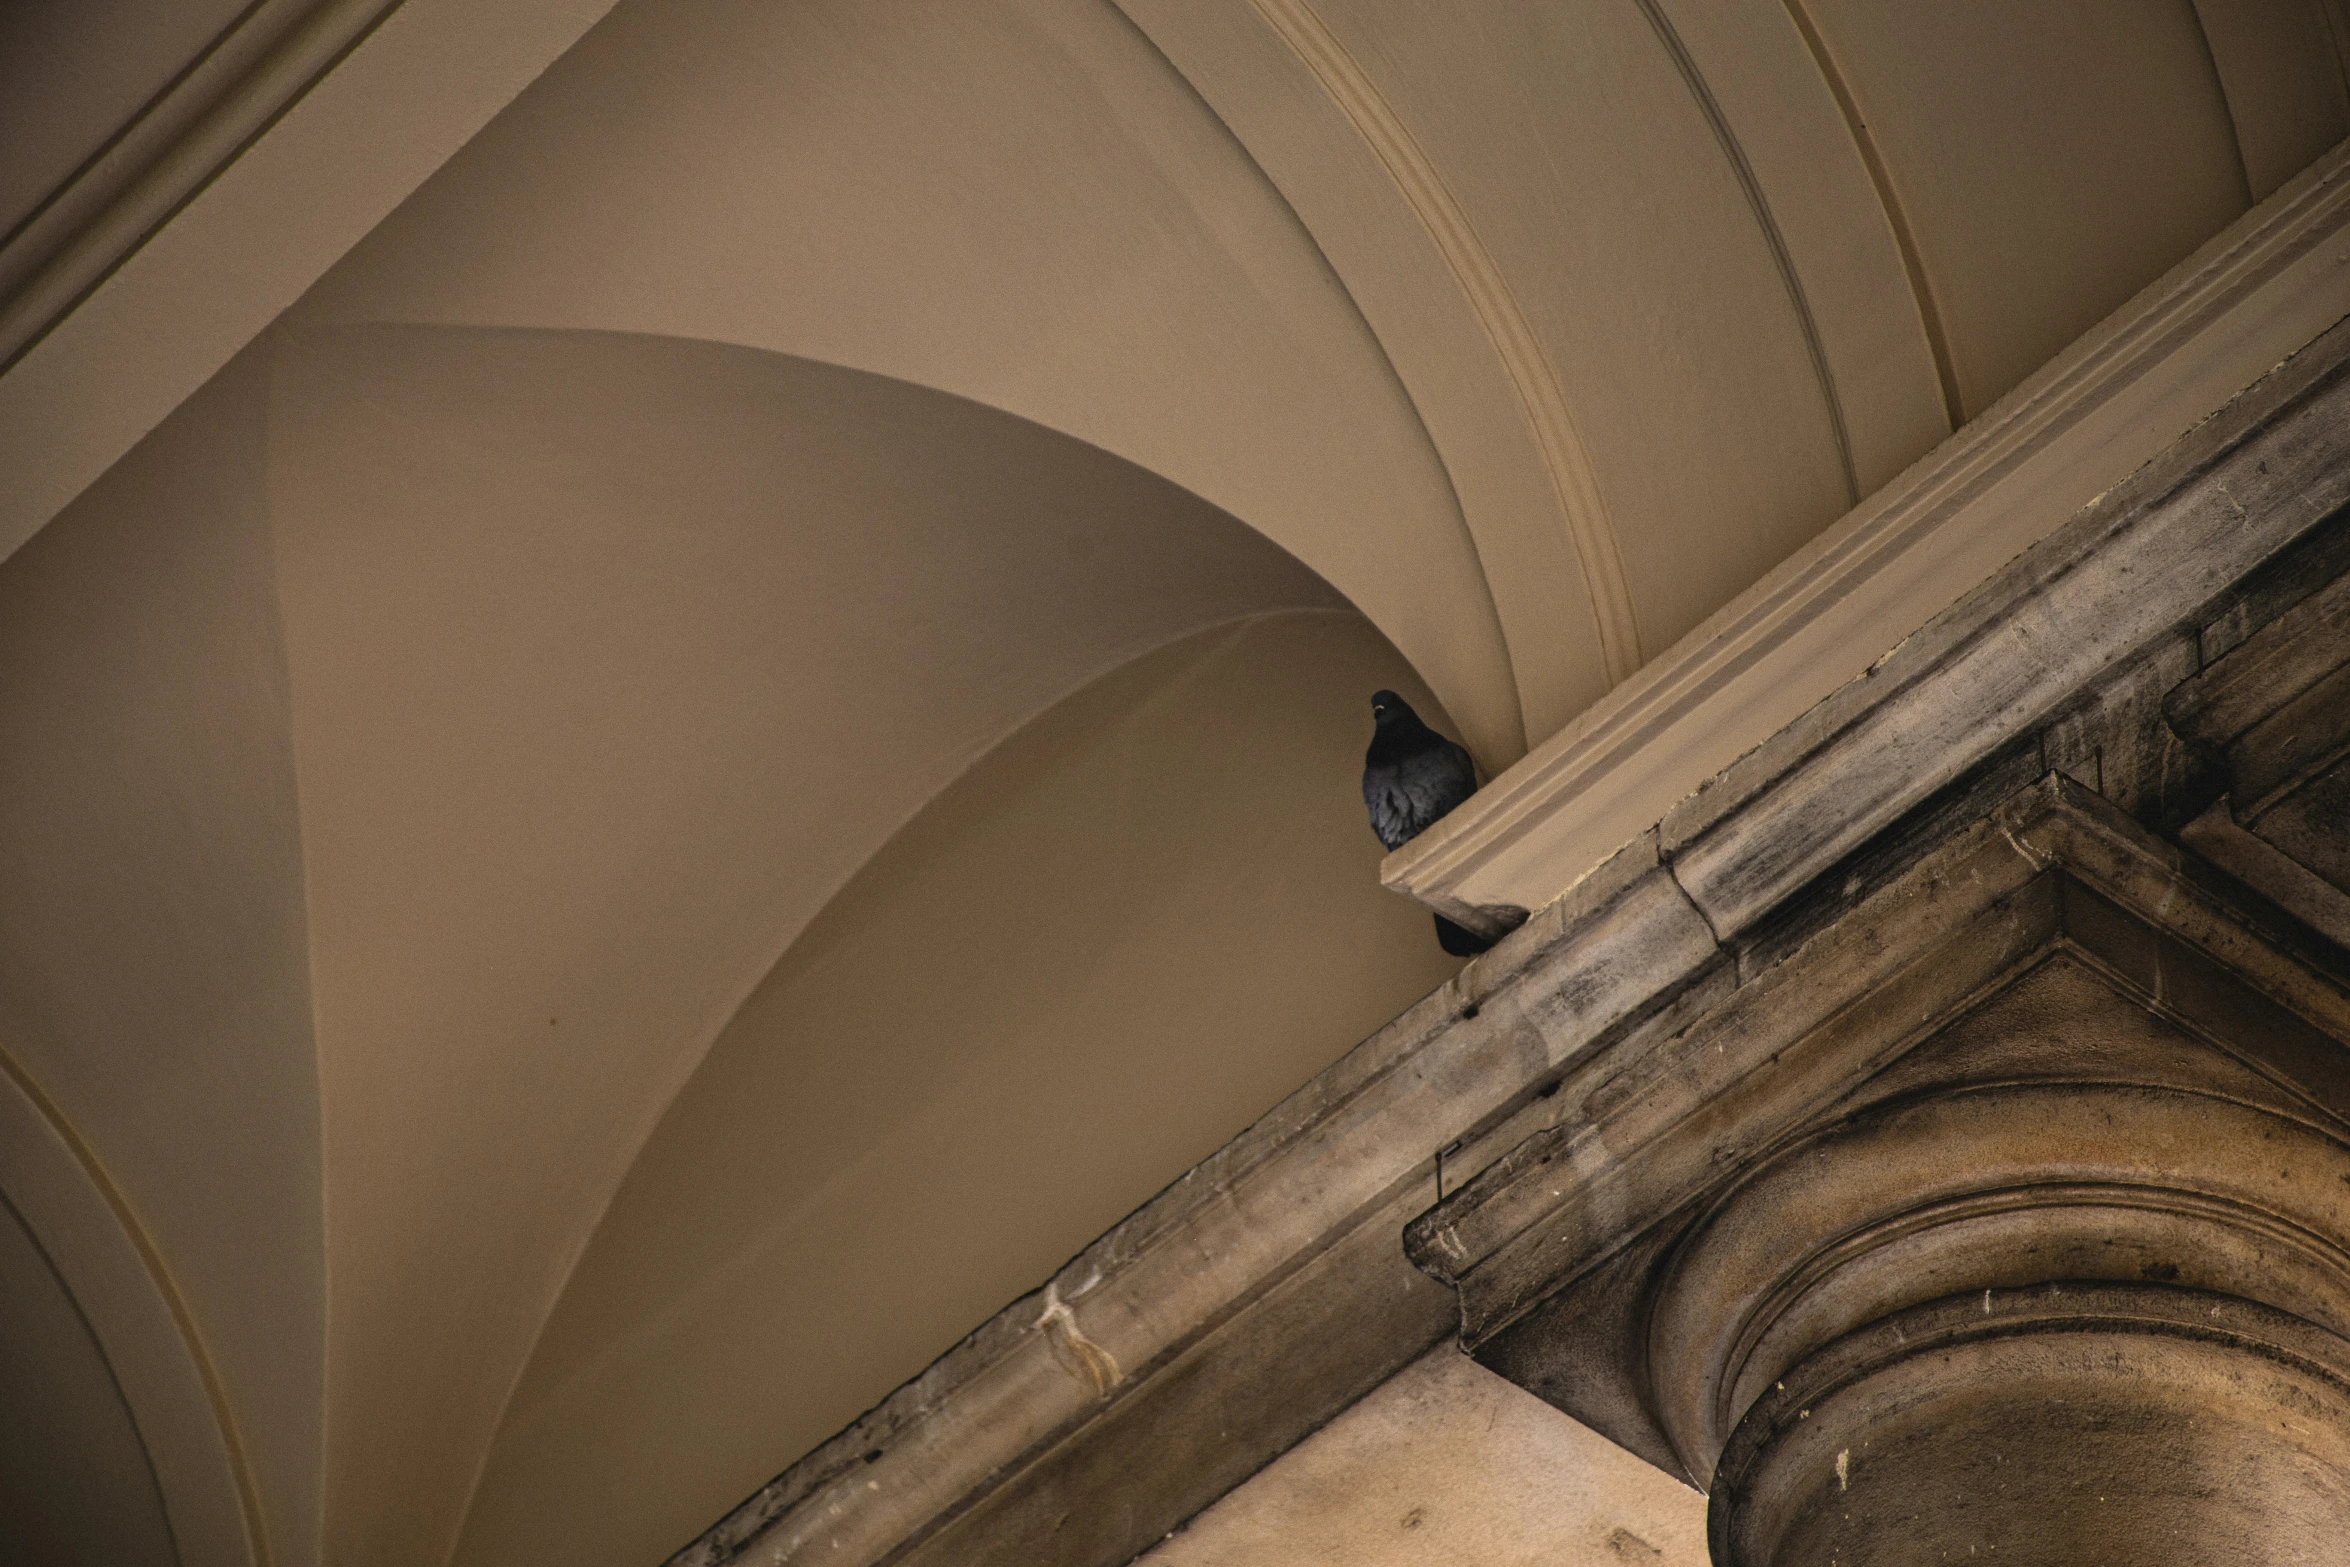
{"points": [[1411, 776]]}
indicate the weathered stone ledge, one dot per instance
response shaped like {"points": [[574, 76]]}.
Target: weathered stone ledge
{"points": [[2185, 345]]}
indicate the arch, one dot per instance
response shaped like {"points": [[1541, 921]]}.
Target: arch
{"points": [[141, 1324]]}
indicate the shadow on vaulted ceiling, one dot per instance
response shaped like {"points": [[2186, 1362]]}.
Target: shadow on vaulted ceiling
{"points": [[837, 846]]}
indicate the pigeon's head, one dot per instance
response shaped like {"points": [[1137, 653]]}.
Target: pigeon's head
{"points": [[1387, 708]]}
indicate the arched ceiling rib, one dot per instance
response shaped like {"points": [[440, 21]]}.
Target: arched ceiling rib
{"points": [[75, 1483], [2281, 66], [1578, 155], [2050, 160], [1489, 296]]}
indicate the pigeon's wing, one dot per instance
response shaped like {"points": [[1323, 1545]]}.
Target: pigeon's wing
{"points": [[1406, 796], [1438, 779], [1394, 816]]}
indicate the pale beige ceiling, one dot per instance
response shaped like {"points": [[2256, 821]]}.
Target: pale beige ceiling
{"points": [[613, 659], [1136, 925], [739, 732], [1018, 204]]}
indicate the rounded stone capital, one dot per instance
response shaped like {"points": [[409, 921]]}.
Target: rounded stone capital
{"points": [[2087, 1425]]}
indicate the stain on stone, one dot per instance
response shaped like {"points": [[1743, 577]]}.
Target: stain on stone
{"points": [[1626, 1546]]}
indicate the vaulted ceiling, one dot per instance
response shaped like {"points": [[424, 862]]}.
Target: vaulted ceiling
{"points": [[738, 730]]}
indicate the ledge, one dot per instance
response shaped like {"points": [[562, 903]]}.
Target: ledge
{"points": [[2184, 346]]}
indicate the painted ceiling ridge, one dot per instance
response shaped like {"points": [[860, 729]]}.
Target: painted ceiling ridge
{"points": [[1774, 240], [2235, 125], [1896, 217], [1531, 375]]}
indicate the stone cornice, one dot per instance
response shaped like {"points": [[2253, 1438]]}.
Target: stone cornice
{"points": [[2181, 348], [2139, 562], [1921, 948], [1267, 1290]]}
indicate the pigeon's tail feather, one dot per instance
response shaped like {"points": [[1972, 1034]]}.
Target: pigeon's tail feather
{"points": [[1460, 941]]}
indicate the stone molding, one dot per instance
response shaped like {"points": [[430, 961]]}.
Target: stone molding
{"points": [[2184, 346], [1265, 1291], [2028, 1051], [269, 56]]}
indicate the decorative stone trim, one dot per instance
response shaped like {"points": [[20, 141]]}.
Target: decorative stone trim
{"points": [[1822, 622], [2027, 1050], [1947, 1090]]}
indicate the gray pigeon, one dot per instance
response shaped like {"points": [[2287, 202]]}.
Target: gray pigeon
{"points": [[1411, 776]]}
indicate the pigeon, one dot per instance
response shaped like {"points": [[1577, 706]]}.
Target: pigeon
{"points": [[1411, 776]]}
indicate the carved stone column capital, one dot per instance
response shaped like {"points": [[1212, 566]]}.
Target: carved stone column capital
{"points": [[2062, 1423], [2022, 1182]]}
